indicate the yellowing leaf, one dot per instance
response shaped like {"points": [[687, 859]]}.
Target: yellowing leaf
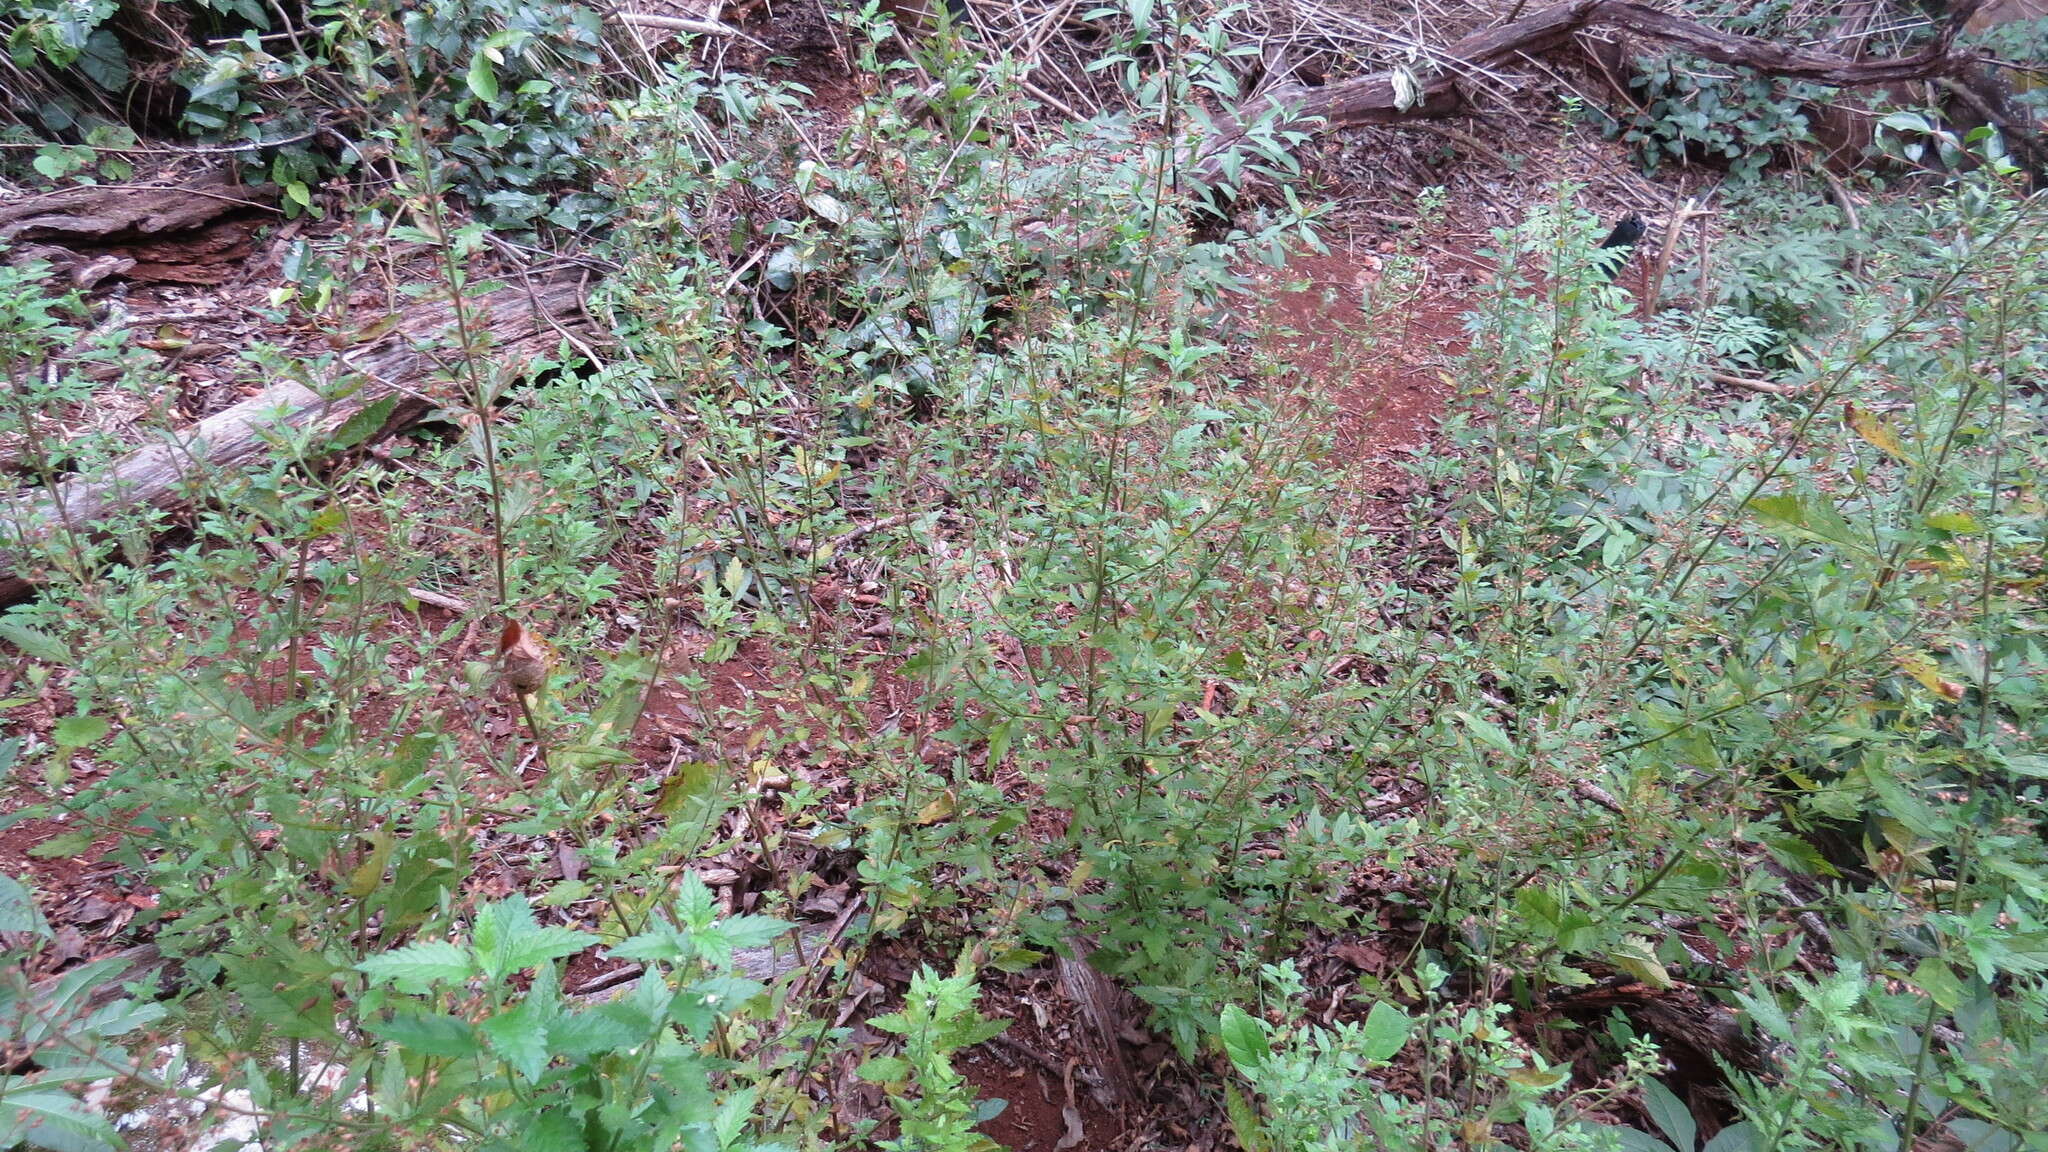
{"points": [[937, 808], [1867, 425], [1920, 666]]}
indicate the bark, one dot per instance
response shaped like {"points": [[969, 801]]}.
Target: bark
{"points": [[522, 321], [1378, 99], [102, 212]]}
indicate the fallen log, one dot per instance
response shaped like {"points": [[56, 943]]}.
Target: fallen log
{"points": [[1389, 97], [522, 321], [105, 212]]}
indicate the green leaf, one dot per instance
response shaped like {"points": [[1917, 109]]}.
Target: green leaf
{"points": [[1634, 956], [509, 940], [1386, 1031], [44, 1118], [482, 79], [78, 731], [18, 911], [884, 1070], [419, 966], [448, 1037], [366, 422], [1735, 1138], [586, 1034], [40, 645], [1673, 1118], [520, 1038], [1485, 731], [1244, 1039], [1938, 981], [66, 844]]}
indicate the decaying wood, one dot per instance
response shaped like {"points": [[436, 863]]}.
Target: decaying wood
{"points": [[522, 321], [1100, 1010], [101, 212], [1388, 97]]}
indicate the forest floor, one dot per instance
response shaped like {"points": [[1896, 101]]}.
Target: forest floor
{"points": [[1390, 382]]}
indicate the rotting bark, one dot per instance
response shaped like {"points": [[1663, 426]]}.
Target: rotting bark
{"points": [[1389, 97], [98, 213], [522, 321]]}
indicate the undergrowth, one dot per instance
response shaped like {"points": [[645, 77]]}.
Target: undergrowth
{"points": [[1077, 646]]}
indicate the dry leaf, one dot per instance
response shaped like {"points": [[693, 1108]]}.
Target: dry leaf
{"points": [[523, 659]]}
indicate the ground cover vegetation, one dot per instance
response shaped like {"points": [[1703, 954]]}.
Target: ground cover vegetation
{"points": [[935, 576]]}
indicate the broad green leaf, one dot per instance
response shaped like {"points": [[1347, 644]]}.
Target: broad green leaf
{"points": [[38, 644], [1244, 1039], [1673, 1118], [79, 731], [1386, 1031], [509, 940], [483, 81], [66, 844], [364, 423], [448, 1037], [45, 1118], [419, 966], [18, 911], [520, 1038]]}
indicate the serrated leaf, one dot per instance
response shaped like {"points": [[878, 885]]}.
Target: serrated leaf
{"points": [[366, 422], [448, 1037], [40, 645], [585, 1034], [1634, 956], [508, 939], [418, 966], [1866, 424], [46, 1118], [520, 1038], [78, 731], [66, 844], [1739, 1137]]}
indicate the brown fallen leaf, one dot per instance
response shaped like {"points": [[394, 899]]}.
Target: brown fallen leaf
{"points": [[523, 659]]}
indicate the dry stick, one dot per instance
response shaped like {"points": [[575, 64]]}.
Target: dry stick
{"points": [[1745, 383], [1377, 99], [1848, 207], [1655, 292], [681, 24]]}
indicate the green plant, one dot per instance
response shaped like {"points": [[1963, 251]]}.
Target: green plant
{"points": [[58, 1035], [938, 1019], [1317, 1094], [1689, 110], [465, 1048]]}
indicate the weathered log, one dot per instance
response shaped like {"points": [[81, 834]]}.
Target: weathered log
{"points": [[1388, 97], [521, 321], [101, 212]]}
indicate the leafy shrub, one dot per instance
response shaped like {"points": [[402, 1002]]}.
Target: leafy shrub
{"points": [[1690, 110]]}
